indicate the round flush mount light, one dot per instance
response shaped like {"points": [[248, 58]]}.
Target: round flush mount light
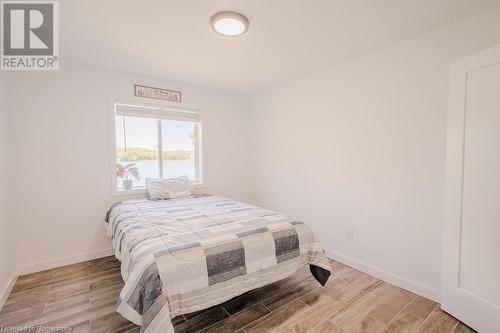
{"points": [[229, 23]]}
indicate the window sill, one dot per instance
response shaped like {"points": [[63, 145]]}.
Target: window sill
{"points": [[143, 191]]}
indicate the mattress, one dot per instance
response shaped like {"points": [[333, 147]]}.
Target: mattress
{"points": [[183, 255]]}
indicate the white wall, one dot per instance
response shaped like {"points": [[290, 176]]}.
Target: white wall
{"points": [[362, 146], [61, 157], [7, 257]]}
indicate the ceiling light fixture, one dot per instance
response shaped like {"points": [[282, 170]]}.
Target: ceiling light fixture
{"points": [[229, 23]]}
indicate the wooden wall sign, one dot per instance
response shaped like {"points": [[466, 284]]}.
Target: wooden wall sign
{"points": [[157, 93]]}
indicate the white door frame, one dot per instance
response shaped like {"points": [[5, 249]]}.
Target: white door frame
{"points": [[469, 308]]}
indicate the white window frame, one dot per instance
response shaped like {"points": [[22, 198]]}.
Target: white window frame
{"points": [[159, 106]]}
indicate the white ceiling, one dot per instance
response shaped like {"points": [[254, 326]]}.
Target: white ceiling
{"points": [[286, 38]]}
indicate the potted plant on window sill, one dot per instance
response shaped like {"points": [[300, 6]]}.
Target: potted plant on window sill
{"points": [[125, 171]]}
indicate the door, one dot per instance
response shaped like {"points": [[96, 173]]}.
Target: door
{"points": [[471, 252]]}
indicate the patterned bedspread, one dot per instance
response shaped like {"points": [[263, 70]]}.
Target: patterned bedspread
{"points": [[183, 255]]}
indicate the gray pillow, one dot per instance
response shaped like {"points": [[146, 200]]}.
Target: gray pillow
{"points": [[172, 188]]}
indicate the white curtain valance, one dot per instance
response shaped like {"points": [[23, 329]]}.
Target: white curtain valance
{"points": [[131, 110]]}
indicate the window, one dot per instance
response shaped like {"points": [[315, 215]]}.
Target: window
{"points": [[155, 142]]}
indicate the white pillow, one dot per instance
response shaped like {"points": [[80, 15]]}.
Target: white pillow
{"points": [[171, 188]]}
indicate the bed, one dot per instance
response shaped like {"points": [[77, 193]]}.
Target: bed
{"points": [[183, 255]]}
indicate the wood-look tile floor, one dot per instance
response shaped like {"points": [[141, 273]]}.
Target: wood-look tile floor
{"points": [[83, 297]]}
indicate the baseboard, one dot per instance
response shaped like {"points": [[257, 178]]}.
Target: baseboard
{"points": [[54, 263], [412, 286], [4, 294]]}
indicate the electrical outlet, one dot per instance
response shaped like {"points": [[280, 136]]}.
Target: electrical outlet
{"points": [[349, 234]]}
